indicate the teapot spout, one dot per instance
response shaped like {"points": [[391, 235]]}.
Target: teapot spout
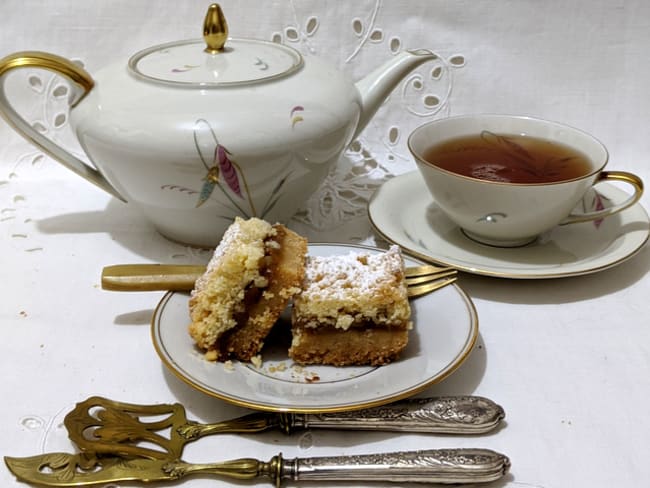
{"points": [[377, 85]]}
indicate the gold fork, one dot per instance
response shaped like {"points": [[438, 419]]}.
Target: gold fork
{"points": [[420, 280], [426, 278]]}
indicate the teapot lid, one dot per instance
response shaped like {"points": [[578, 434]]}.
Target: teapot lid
{"points": [[223, 62]]}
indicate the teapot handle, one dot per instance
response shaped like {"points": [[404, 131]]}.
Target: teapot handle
{"points": [[81, 84]]}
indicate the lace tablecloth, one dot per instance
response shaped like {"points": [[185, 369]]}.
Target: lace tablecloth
{"points": [[569, 359]]}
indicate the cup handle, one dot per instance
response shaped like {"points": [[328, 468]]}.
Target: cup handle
{"points": [[81, 85], [623, 176]]}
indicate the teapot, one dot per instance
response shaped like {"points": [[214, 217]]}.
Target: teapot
{"points": [[196, 132]]}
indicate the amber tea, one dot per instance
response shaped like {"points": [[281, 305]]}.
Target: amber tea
{"points": [[509, 158]]}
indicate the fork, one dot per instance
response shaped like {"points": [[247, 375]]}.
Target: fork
{"points": [[420, 280]]}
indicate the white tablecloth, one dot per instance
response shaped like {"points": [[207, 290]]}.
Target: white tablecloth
{"points": [[568, 359]]}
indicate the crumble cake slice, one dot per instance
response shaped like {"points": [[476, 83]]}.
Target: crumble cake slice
{"points": [[353, 310], [254, 272]]}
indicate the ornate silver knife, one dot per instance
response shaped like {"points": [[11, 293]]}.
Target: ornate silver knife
{"points": [[427, 466]]}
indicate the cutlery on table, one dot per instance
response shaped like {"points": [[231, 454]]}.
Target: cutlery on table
{"points": [[106, 426], [426, 466], [179, 277]]}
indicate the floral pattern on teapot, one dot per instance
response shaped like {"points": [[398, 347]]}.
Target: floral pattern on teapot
{"points": [[295, 115], [223, 173], [186, 67]]}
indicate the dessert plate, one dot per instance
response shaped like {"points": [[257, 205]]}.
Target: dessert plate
{"points": [[445, 330], [403, 212]]}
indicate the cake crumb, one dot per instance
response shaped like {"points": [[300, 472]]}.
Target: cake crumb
{"points": [[277, 368], [228, 365], [311, 377], [257, 361]]}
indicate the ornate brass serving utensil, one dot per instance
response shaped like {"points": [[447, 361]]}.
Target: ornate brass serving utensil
{"points": [[179, 277], [427, 466], [106, 426]]}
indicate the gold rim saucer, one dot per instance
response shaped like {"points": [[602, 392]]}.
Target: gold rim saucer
{"points": [[403, 212]]}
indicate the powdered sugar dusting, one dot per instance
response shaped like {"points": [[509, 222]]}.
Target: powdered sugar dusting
{"points": [[354, 273]]}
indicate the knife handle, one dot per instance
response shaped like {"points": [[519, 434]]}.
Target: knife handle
{"points": [[447, 466], [150, 277], [438, 415], [427, 466]]}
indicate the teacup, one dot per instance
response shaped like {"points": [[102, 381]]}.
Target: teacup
{"points": [[494, 202]]}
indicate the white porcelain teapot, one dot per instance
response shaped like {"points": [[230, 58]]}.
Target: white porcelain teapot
{"points": [[197, 132]]}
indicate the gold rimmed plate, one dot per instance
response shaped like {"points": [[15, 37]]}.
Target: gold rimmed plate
{"points": [[403, 211], [446, 328]]}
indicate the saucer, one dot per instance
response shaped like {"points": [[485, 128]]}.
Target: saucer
{"points": [[403, 212]]}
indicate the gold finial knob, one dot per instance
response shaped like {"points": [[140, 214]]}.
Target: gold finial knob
{"points": [[215, 29]]}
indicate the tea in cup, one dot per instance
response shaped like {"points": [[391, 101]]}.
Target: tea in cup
{"points": [[504, 180]]}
